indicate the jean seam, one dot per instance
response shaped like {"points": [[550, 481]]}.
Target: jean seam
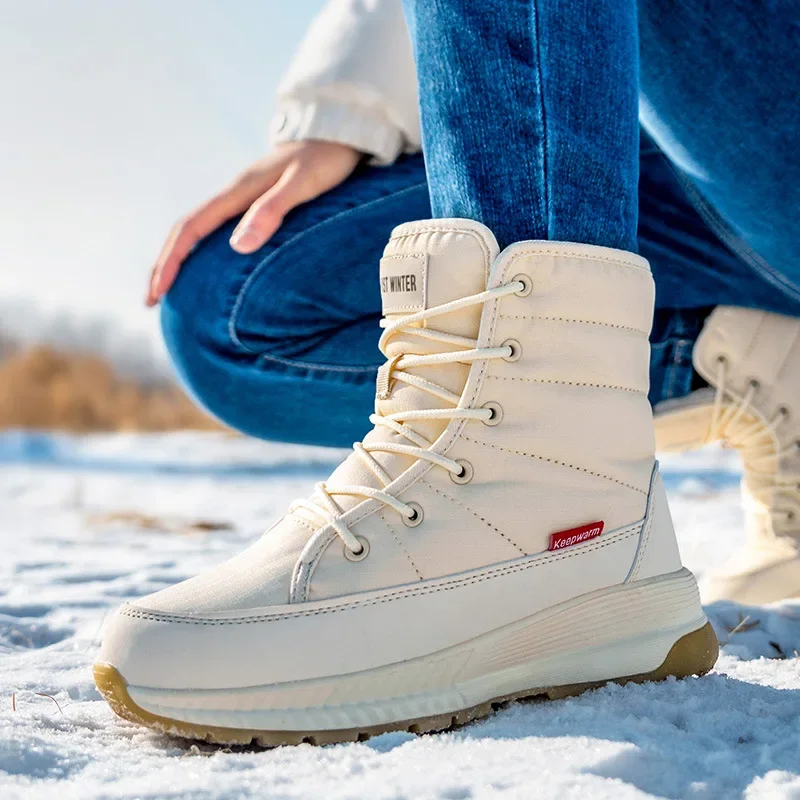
{"points": [[311, 367], [732, 240], [260, 266], [544, 150]]}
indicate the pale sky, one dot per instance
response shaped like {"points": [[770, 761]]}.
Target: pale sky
{"points": [[115, 118]]}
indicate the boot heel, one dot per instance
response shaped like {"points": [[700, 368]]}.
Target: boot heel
{"points": [[692, 655]]}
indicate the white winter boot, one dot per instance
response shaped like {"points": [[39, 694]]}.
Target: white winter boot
{"points": [[502, 532], [752, 361]]}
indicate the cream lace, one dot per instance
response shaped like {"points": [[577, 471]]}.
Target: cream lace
{"points": [[322, 503], [757, 441]]}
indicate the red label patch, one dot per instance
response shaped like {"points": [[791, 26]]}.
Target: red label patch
{"points": [[562, 539]]}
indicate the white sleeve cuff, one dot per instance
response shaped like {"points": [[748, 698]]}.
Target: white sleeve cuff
{"points": [[337, 122]]}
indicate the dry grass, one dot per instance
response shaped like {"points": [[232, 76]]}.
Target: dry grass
{"points": [[43, 388], [147, 522]]}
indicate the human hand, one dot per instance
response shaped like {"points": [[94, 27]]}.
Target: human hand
{"points": [[293, 173]]}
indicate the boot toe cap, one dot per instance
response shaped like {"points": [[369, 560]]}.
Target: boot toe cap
{"points": [[195, 634]]}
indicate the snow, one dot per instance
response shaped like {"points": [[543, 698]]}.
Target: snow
{"points": [[90, 522]]}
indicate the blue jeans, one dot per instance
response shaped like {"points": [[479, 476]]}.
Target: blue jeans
{"points": [[529, 116], [529, 125], [282, 344]]}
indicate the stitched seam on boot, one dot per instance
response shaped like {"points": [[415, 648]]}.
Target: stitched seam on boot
{"points": [[578, 321], [785, 362], [580, 256], [304, 570], [752, 346], [568, 383], [623, 534], [476, 514], [556, 461], [305, 523], [644, 539], [643, 548], [402, 546]]}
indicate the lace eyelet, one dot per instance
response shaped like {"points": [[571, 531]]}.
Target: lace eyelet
{"points": [[527, 285], [784, 411], [796, 444], [721, 360], [497, 413], [754, 384], [516, 350], [361, 554], [465, 476], [419, 515]]}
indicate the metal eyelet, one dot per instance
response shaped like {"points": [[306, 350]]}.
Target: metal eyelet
{"points": [[516, 350], [497, 413], [361, 554], [527, 285], [465, 476], [415, 520]]}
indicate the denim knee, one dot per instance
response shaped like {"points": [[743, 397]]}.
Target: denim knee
{"points": [[194, 322], [252, 347], [264, 397], [196, 309]]}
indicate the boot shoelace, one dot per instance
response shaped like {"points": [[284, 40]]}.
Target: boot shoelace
{"points": [[322, 503], [757, 441]]}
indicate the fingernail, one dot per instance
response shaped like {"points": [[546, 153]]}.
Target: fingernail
{"points": [[241, 237]]}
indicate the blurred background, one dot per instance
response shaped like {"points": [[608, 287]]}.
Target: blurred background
{"points": [[115, 119]]}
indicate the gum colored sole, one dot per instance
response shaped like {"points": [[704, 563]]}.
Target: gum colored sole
{"points": [[693, 654]]}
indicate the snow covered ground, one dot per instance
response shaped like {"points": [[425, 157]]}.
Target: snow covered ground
{"points": [[86, 523]]}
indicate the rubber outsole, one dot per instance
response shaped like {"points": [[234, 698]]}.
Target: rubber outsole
{"points": [[693, 654]]}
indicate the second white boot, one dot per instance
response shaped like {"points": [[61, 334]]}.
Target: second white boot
{"points": [[751, 359]]}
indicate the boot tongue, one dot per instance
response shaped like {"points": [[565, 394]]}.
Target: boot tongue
{"points": [[427, 267], [424, 265]]}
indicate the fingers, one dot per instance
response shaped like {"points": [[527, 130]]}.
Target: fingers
{"points": [[294, 173], [189, 231], [266, 215], [181, 240]]}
